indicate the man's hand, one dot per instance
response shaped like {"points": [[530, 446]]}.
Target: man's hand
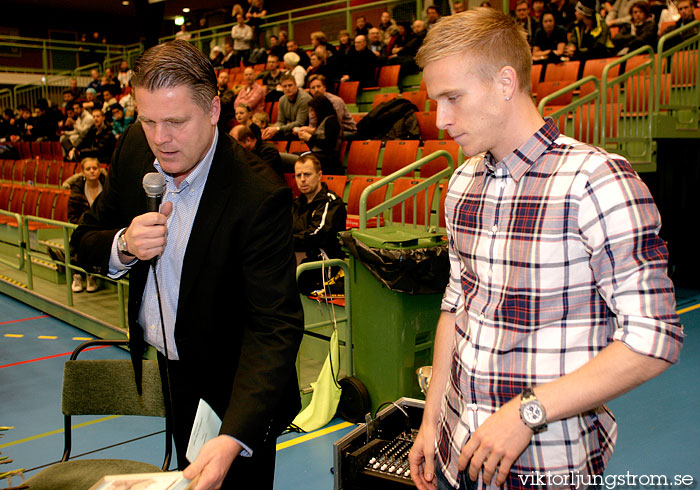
{"points": [[146, 235], [345, 78], [496, 444], [269, 132], [213, 462], [422, 458]]}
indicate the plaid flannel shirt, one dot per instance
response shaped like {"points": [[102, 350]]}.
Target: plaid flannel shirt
{"points": [[554, 253]]}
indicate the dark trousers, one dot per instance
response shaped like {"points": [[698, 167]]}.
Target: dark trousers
{"points": [[246, 472]]}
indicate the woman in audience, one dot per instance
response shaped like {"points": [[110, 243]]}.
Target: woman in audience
{"points": [[84, 189], [344, 42], [324, 141], [318, 65], [640, 32], [291, 61], [243, 115], [549, 41], [400, 39]]}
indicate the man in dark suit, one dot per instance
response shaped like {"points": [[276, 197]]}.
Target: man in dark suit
{"points": [[225, 271]]}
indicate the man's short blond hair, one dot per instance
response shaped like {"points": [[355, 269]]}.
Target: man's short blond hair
{"points": [[487, 38]]}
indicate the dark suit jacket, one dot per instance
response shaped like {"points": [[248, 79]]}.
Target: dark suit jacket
{"points": [[239, 318]]}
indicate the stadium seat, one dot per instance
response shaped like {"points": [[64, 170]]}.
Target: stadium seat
{"points": [[292, 183], [363, 157], [426, 123], [348, 92], [418, 98], [357, 185], [411, 205], [335, 183], [565, 71], [434, 166], [545, 88], [381, 98], [398, 154]]}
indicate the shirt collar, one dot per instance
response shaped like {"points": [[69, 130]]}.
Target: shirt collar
{"points": [[522, 158], [198, 176]]}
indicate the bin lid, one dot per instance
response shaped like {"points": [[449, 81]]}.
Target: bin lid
{"points": [[397, 237]]}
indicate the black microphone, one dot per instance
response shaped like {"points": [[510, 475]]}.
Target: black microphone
{"points": [[154, 185]]}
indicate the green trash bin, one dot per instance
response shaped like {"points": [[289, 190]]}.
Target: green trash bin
{"points": [[398, 276]]}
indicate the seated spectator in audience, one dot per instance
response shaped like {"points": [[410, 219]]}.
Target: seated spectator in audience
{"points": [[77, 91], [550, 40], [318, 215], [685, 9], [590, 37], [252, 94], [293, 47], [75, 130], [318, 64], [458, 7], [564, 12], [91, 100], [522, 16], [67, 115], [641, 32], [112, 80], [96, 80], [216, 56], [261, 120], [242, 36], [108, 100], [229, 60], [360, 65], [362, 27], [319, 38], [8, 126], [293, 111], [222, 83], [276, 48], [250, 139], [291, 61], [84, 189], [120, 121], [271, 79], [325, 139], [376, 45], [432, 16], [387, 26], [243, 115], [99, 142], [400, 39], [344, 46], [25, 123], [537, 10], [404, 56], [127, 102], [45, 121], [317, 86], [68, 99], [618, 12]]}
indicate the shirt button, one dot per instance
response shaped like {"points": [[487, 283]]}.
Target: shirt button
{"points": [[481, 317], [472, 406], [494, 228], [152, 327]]}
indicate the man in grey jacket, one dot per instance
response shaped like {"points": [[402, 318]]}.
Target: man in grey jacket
{"points": [[293, 111]]}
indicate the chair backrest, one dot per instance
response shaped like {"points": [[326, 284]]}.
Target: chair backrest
{"points": [[427, 125], [535, 75], [281, 145], [69, 169], [292, 183], [335, 183], [546, 88], [30, 199], [635, 61], [298, 147], [18, 172], [17, 199], [565, 71], [7, 169], [274, 112], [42, 168], [35, 147], [348, 91], [56, 151], [359, 184], [389, 76], [54, 177], [398, 154], [363, 157], [418, 98], [5, 192], [108, 387], [595, 67], [434, 166], [29, 171], [402, 184], [60, 210], [684, 68], [381, 98], [46, 202]]}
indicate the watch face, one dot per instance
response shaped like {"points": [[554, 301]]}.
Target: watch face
{"points": [[532, 413]]}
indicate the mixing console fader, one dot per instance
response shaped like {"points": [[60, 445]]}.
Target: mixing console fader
{"points": [[375, 454]]}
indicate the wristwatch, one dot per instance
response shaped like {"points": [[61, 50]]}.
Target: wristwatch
{"points": [[121, 244], [532, 412]]}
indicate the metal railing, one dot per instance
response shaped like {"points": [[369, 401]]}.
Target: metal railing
{"points": [[412, 193]]}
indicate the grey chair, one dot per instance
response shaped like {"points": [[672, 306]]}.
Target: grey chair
{"points": [[103, 387]]}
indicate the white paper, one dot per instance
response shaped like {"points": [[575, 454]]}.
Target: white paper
{"points": [[144, 481], [206, 426]]}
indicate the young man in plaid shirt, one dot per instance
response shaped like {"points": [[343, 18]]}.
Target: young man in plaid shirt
{"points": [[558, 299]]}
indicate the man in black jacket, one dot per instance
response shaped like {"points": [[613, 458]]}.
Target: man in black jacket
{"points": [[318, 214]]}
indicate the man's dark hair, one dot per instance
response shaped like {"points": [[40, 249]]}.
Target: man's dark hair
{"points": [[272, 56], [174, 64], [320, 78], [433, 7], [310, 158], [287, 76], [245, 133]]}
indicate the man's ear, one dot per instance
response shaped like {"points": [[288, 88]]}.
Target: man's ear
{"points": [[215, 110], [508, 81]]}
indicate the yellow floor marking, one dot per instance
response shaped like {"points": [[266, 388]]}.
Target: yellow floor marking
{"points": [[82, 338], [47, 337], [57, 431], [312, 435], [14, 335], [690, 308]]}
